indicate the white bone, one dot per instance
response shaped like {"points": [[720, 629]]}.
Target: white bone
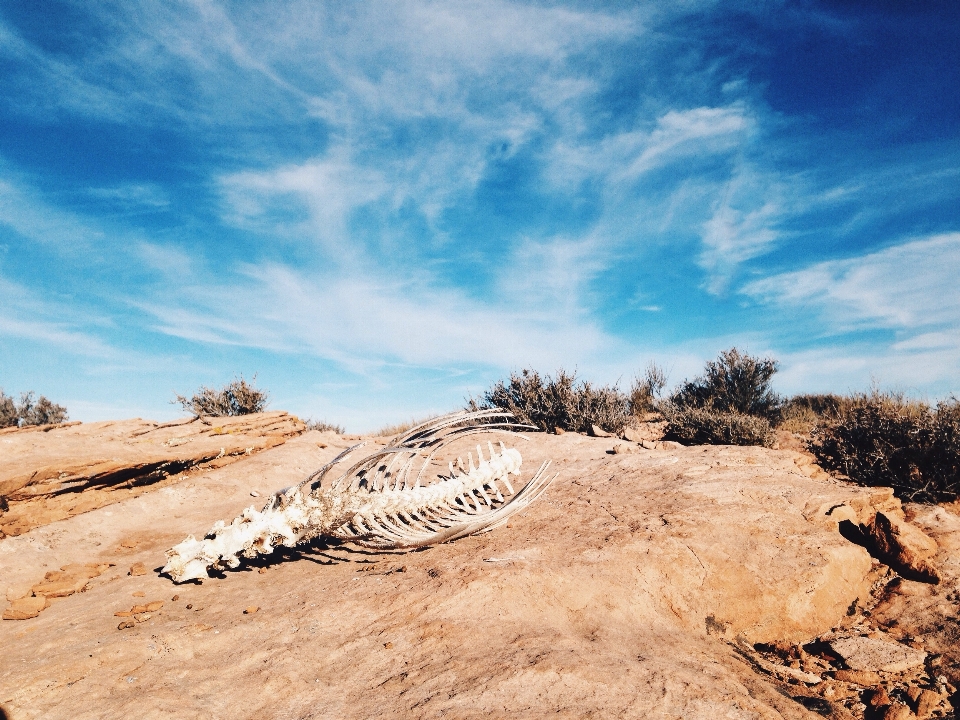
{"points": [[380, 514]]}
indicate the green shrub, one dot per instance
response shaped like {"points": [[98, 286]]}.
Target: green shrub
{"points": [[734, 383], [645, 392], [888, 440], [235, 398], [562, 402], [706, 426], [29, 411]]}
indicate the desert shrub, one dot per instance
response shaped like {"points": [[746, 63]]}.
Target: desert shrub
{"points": [[733, 383], [882, 438], [30, 411], [706, 426], [8, 411], [801, 413], [323, 426], [40, 412], [235, 398], [645, 391], [561, 402]]}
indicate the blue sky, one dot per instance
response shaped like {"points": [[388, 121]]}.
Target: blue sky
{"points": [[382, 207]]}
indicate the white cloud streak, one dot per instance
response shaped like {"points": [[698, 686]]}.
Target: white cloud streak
{"points": [[908, 286]]}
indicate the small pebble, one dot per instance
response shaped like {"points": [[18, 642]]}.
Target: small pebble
{"points": [[142, 617], [403, 568], [254, 493], [175, 598], [139, 593], [138, 569], [189, 606], [388, 645], [126, 624], [250, 610], [262, 570]]}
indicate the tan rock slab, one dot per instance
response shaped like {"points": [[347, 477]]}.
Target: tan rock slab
{"points": [[863, 653], [69, 579], [25, 608], [863, 678], [905, 547], [78, 467]]}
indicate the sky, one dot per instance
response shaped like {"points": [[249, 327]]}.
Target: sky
{"points": [[380, 208]]}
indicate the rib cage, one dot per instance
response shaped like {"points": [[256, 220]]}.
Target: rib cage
{"points": [[380, 501]]}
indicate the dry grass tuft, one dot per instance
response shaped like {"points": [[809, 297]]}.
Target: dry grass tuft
{"points": [[323, 426], [400, 428], [235, 398]]}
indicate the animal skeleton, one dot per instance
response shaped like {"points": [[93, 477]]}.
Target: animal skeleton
{"points": [[378, 502]]}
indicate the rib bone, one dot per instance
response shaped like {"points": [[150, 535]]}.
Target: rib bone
{"points": [[385, 511]]}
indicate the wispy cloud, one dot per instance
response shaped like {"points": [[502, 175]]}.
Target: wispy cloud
{"points": [[25, 315], [910, 286], [365, 322]]}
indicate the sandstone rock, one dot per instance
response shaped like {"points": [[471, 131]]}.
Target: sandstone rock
{"points": [[25, 608], [862, 653], [126, 624], [599, 432], [624, 448], [927, 702], [633, 434], [863, 678], [624, 585], [137, 569], [69, 579], [139, 593], [905, 548], [154, 605], [898, 711], [101, 463], [250, 610], [879, 698]]}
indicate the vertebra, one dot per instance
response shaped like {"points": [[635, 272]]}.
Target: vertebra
{"points": [[377, 502]]}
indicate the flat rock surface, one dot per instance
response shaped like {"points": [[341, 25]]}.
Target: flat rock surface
{"points": [[864, 653], [53, 472], [619, 593]]}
